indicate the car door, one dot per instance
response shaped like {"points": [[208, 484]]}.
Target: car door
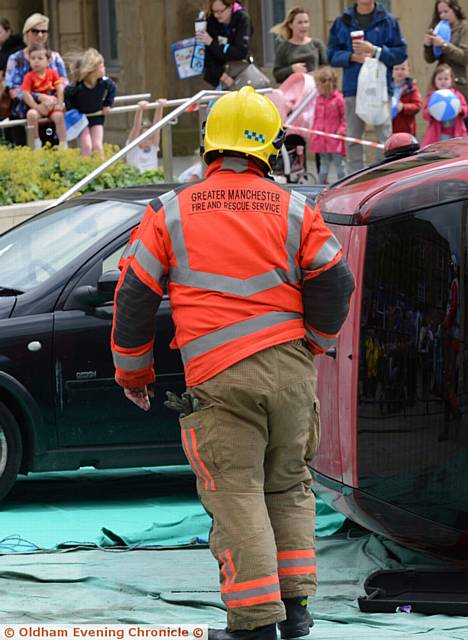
{"points": [[91, 408]]}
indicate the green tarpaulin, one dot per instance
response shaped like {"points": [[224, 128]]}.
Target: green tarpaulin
{"points": [[118, 584], [156, 506]]}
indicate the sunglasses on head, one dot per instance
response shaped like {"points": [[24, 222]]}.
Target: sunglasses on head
{"points": [[37, 31]]}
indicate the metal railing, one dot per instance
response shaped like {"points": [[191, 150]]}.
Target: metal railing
{"points": [[202, 98], [181, 105]]}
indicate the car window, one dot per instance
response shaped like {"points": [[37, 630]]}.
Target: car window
{"points": [[414, 361], [112, 261], [33, 252]]}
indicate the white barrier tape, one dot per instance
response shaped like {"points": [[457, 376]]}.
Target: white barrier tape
{"points": [[336, 136]]}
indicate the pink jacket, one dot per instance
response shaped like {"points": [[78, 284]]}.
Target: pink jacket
{"points": [[330, 117], [434, 129]]}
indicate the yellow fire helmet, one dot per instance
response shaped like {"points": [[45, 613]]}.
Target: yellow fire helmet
{"points": [[246, 122]]}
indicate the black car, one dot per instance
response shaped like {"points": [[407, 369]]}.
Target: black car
{"points": [[60, 407]]}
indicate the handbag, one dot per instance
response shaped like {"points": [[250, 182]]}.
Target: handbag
{"points": [[246, 72]]}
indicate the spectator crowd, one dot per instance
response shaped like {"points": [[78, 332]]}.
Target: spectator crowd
{"points": [[39, 83]]}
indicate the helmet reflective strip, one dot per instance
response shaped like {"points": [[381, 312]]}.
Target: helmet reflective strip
{"points": [[182, 274], [133, 363], [232, 332]]}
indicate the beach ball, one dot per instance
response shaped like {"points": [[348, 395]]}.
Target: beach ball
{"points": [[394, 109], [444, 105]]}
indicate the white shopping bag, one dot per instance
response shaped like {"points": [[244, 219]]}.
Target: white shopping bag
{"points": [[372, 92]]}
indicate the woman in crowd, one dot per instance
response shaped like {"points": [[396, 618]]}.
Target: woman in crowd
{"points": [[9, 43], [297, 51], [453, 52], [35, 31], [227, 38]]}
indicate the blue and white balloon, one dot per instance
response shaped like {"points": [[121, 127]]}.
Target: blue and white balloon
{"points": [[394, 109], [443, 30], [444, 105]]}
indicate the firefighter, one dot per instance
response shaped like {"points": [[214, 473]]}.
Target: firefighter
{"points": [[258, 286]]}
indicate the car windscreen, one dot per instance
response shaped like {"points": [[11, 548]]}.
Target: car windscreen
{"points": [[34, 251]]}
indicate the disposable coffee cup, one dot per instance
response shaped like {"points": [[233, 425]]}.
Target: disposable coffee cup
{"points": [[200, 26], [357, 35]]}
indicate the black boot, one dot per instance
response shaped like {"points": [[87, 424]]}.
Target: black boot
{"points": [[268, 632], [298, 619]]}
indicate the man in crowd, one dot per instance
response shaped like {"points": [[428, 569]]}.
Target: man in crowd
{"points": [[381, 38]]}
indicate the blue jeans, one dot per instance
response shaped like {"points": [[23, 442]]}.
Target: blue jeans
{"points": [[326, 160]]}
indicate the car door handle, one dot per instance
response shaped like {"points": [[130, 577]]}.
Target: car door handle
{"points": [[331, 353]]}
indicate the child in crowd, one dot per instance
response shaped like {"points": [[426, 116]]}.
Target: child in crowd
{"points": [[329, 116], [47, 82], [407, 98], [91, 90], [144, 156], [443, 78], [195, 171]]}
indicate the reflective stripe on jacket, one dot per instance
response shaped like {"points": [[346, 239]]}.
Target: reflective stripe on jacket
{"points": [[242, 257]]}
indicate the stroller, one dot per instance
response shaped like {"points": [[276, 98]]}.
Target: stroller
{"points": [[294, 167], [292, 161]]}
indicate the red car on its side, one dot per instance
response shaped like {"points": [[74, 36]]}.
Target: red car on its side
{"points": [[394, 449]]}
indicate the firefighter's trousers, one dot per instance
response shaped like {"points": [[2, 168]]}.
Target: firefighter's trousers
{"points": [[248, 444]]}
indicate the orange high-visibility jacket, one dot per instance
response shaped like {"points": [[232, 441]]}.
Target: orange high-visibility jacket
{"points": [[248, 265]]}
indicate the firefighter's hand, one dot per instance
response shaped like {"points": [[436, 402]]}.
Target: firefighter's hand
{"points": [[140, 397]]}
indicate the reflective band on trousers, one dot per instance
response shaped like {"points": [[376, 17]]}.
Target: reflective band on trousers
{"points": [[297, 562], [228, 284], [294, 563], [237, 330], [251, 592], [189, 441], [227, 566], [133, 363], [323, 342]]}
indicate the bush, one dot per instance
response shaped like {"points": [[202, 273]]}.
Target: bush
{"points": [[27, 175]]}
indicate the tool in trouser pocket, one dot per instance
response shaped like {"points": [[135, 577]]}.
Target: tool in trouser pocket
{"points": [[184, 404]]}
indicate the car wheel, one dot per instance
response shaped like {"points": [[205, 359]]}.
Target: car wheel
{"points": [[11, 450]]}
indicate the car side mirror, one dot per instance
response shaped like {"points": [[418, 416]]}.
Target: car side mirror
{"points": [[107, 283], [100, 294]]}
